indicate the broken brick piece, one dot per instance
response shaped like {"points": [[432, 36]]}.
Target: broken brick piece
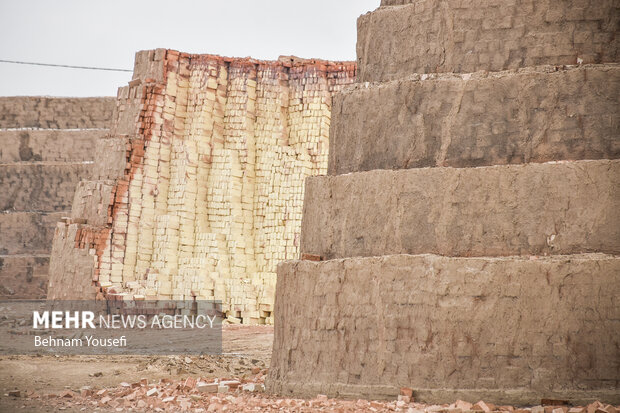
{"points": [[481, 407], [406, 391], [311, 257]]}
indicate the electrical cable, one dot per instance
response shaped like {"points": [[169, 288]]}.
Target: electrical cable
{"points": [[69, 66]]}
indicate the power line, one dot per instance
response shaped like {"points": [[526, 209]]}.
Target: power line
{"points": [[69, 66]]}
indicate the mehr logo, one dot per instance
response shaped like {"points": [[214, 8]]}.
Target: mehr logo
{"points": [[55, 319], [86, 319]]}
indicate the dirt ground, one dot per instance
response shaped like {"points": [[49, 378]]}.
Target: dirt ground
{"points": [[244, 348]]}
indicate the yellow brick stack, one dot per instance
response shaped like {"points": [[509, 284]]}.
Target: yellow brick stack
{"points": [[211, 198]]}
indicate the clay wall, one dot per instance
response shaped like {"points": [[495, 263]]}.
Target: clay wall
{"points": [[46, 147], [547, 207], [464, 36], [531, 115], [507, 330], [467, 235], [55, 113]]}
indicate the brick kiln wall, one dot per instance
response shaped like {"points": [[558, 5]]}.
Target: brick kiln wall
{"points": [[55, 113], [532, 115], [46, 147], [469, 221], [210, 199], [449, 327], [464, 36]]}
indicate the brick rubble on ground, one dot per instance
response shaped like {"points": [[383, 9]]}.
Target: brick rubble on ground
{"points": [[196, 394]]}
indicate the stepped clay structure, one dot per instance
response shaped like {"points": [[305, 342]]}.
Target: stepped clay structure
{"points": [[470, 217], [46, 147], [198, 191]]}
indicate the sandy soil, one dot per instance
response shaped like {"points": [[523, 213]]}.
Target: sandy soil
{"points": [[245, 347]]}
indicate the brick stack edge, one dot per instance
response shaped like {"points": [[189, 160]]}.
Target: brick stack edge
{"points": [[467, 232], [198, 189]]}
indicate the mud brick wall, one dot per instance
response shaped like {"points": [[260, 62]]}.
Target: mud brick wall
{"points": [[55, 113], [24, 276], [466, 211], [47, 145], [50, 145], [213, 153], [40, 186], [434, 36], [482, 137], [72, 277], [446, 326], [530, 115], [26, 233]]}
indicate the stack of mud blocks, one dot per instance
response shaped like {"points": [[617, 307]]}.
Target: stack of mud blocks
{"points": [[199, 188], [470, 220], [46, 147]]}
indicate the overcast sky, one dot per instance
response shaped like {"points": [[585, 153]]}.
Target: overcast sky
{"points": [[107, 33]]}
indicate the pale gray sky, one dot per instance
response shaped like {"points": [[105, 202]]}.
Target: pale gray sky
{"points": [[107, 33]]}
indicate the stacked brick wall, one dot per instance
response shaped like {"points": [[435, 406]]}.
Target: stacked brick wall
{"points": [[46, 147], [208, 187]]}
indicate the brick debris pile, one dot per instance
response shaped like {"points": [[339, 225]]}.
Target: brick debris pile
{"points": [[247, 395], [198, 191]]}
